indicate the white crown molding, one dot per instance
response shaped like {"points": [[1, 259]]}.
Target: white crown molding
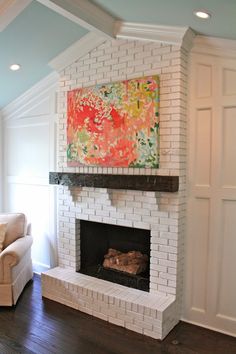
{"points": [[154, 33], [85, 14], [19, 105], [9, 9], [187, 42], [77, 50], [92, 40], [214, 46]]}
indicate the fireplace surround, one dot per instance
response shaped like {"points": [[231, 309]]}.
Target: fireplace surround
{"points": [[162, 213], [151, 313]]}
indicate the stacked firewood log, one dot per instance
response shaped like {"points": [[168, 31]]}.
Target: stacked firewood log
{"points": [[133, 262]]}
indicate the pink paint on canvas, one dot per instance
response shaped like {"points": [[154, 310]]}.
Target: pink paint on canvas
{"points": [[114, 124]]}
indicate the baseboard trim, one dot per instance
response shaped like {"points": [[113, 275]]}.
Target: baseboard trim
{"points": [[39, 268], [209, 327]]}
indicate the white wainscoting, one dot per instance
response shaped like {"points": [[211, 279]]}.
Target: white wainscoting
{"points": [[1, 163], [29, 140], [210, 287]]}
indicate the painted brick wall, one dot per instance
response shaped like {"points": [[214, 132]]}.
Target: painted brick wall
{"points": [[162, 213]]}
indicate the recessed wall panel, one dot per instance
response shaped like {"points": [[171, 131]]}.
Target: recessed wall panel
{"points": [[229, 82], [203, 81], [202, 164], [229, 147], [200, 237], [33, 200], [227, 276], [27, 150]]}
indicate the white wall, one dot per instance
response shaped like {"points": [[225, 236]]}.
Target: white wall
{"points": [[29, 131], [1, 164], [210, 290]]}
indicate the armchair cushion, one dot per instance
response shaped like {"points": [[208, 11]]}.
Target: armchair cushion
{"points": [[15, 257], [12, 255], [2, 235], [16, 227]]}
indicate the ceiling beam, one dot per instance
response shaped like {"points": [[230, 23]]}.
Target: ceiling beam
{"points": [[85, 14]]}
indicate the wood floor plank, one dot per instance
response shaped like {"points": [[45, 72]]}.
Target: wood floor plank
{"points": [[42, 326]]}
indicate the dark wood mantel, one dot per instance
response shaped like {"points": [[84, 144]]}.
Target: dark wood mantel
{"points": [[132, 182]]}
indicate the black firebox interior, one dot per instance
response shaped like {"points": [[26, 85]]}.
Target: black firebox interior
{"points": [[96, 238]]}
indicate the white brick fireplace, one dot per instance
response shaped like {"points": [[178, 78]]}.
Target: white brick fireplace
{"points": [[157, 312]]}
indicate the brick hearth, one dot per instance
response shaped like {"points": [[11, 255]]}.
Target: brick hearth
{"points": [[139, 311]]}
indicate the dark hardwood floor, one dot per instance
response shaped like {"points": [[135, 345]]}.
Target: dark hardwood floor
{"points": [[46, 327]]}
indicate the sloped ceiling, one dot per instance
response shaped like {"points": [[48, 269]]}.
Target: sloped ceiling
{"points": [[32, 39], [32, 33]]}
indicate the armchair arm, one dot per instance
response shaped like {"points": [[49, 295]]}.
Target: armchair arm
{"points": [[12, 255]]}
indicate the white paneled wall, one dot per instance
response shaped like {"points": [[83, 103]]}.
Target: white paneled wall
{"points": [[1, 164], [210, 290], [29, 130]]}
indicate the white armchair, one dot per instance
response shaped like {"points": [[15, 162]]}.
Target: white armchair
{"points": [[15, 258]]}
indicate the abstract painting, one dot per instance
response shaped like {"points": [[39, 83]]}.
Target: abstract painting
{"points": [[114, 125]]}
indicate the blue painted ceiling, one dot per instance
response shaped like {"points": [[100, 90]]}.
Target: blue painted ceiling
{"points": [[32, 39], [38, 34], [177, 13]]}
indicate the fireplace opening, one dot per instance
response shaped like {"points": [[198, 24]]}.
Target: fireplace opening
{"points": [[115, 253]]}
